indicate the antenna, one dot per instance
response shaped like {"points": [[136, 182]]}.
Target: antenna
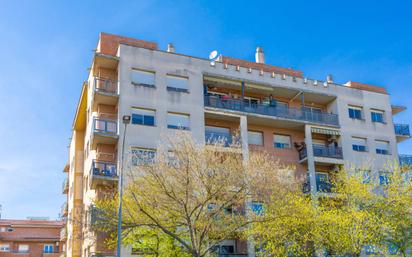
{"points": [[213, 56]]}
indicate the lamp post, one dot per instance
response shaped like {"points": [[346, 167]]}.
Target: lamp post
{"points": [[126, 121]]}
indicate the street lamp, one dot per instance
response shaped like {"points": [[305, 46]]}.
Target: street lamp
{"points": [[126, 121]]}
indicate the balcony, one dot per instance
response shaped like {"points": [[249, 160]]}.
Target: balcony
{"points": [[106, 91], [321, 187], [104, 132], [402, 132], [299, 115], [324, 154], [213, 137], [64, 210], [15, 254], [102, 255], [55, 254], [65, 186], [63, 234], [232, 255], [405, 160], [104, 173]]}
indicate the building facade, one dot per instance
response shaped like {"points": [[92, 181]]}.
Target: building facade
{"points": [[315, 126], [30, 238]]}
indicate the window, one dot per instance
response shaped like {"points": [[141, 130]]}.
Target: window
{"points": [[281, 141], [366, 176], [382, 147], [143, 78], [143, 156], [2, 229], [23, 248], [142, 116], [178, 121], [255, 137], [48, 248], [355, 112], [383, 178], [359, 144], [227, 249], [377, 116], [4, 247], [177, 83], [218, 135], [257, 208]]}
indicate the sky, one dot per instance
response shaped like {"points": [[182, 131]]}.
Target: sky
{"points": [[47, 49]]}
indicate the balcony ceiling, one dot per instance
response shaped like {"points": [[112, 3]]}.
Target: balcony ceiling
{"points": [[266, 90]]}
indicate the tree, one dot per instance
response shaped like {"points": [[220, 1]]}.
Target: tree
{"points": [[395, 208], [192, 197]]}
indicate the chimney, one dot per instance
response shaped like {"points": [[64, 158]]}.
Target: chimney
{"points": [[259, 55], [329, 78], [170, 48]]}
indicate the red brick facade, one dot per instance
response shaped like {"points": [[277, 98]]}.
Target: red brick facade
{"points": [[262, 66], [367, 87], [109, 43], [27, 238]]}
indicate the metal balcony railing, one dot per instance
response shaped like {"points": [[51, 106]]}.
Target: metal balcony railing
{"points": [[212, 137], [104, 169], [402, 130], [405, 160], [232, 255], [321, 186], [279, 111], [105, 127], [323, 151], [65, 186], [63, 233], [106, 86], [64, 209]]}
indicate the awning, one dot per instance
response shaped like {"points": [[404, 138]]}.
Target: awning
{"points": [[325, 131]]}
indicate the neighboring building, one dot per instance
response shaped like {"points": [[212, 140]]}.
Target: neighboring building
{"points": [[316, 126], [30, 238]]}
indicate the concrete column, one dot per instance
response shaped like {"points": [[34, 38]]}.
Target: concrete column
{"points": [[311, 160], [245, 155]]}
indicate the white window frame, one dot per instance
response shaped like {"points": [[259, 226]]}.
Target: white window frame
{"points": [[256, 133], [178, 126], [378, 112], [177, 83], [4, 247], [384, 150], [145, 81], [25, 249], [282, 145], [141, 161], [358, 108], [355, 145], [143, 112]]}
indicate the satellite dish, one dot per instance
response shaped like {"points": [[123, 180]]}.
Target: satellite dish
{"points": [[213, 55]]}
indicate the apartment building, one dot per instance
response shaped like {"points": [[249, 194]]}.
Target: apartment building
{"points": [[313, 125], [30, 238]]}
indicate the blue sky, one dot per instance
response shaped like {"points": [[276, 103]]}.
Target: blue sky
{"points": [[47, 48]]}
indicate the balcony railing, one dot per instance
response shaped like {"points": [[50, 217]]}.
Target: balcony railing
{"points": [[232, 255], [64, 209], [405, 160], [65, 186], [212, 137], [402, 130], [63, 233], [321, 186], [105, 127], [323, 151], [102, 255], [281, 112], [104, 169], [106, 86]]}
